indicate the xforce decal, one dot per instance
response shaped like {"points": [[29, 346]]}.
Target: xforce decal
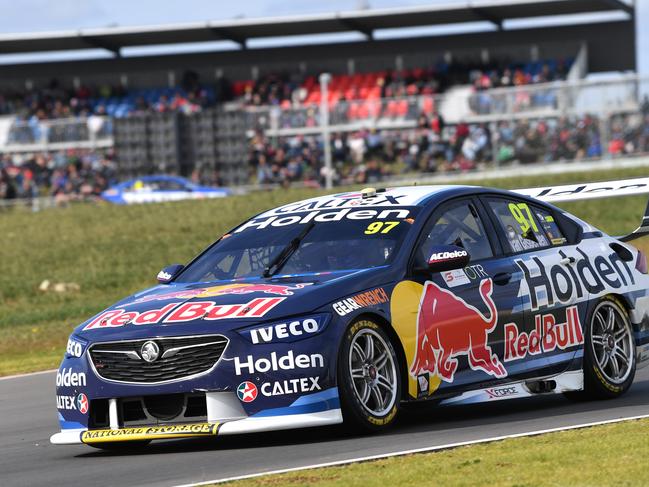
{"points": [[184, 312], [447, 326]]}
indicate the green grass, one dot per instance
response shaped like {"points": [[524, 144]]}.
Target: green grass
{"points": [[613, 454], [111, 252]]}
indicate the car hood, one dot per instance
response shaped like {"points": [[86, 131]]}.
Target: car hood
{"points": [[200, 308]]}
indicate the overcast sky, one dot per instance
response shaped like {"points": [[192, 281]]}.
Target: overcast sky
{"points": [[52, 15]]}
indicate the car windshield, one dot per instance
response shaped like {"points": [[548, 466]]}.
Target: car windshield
{"points": [[359, 239]]}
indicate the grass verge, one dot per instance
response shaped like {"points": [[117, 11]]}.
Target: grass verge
{"points": [[614, 454], [112, 251]]}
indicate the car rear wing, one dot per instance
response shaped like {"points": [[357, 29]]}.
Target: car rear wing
{"points": [[586, 191]]}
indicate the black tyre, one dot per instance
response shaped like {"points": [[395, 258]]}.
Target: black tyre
{"points": [[609, 351], [369, 379]]}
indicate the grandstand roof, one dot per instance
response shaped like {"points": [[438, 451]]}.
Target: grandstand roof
{"points": [[242, 30]]}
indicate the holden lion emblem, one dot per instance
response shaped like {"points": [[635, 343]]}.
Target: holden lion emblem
{"points": [[150, 351]]}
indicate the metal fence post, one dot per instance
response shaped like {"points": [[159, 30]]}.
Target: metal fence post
{"points": [[325, 78]]}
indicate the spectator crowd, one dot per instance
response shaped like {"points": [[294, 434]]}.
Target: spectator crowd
{"points": [[287, 89], [367, 156], [66, 175]]}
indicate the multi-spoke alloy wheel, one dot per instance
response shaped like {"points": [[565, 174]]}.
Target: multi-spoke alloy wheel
{"points": [[373, 372], [609, 351], [612, 342], [368, 377]]}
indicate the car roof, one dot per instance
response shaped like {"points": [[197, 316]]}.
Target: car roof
{"points": [[397, 196]]}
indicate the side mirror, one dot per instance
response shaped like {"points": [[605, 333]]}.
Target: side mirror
{"points": [[447, 257], [166, 275]]}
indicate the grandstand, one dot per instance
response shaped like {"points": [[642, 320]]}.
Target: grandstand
{"points": [[510, 84]]}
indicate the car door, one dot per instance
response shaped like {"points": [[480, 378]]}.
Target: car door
{"points": [[546, 281], [462, 312]]}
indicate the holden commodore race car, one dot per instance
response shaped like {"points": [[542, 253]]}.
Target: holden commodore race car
{"points": [[156, 189], [346, 307]]}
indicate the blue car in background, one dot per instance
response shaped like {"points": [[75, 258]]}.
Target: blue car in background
{"points": [[154, 189]]}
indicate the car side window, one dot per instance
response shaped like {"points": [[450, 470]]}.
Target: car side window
{"points": [[521, 227], [549, 225], [459, 225]]}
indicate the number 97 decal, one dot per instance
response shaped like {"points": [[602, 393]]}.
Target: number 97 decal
{"points": [[380, 227], [526, 222]]}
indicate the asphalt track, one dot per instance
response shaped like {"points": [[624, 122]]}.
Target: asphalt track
{"points": [[28, 418]]}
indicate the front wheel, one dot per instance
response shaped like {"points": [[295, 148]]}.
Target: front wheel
{"points": [[610, 354], [369, 379]]}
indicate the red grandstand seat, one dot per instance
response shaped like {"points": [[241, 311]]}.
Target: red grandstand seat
{"points": [[373, 108], [392, 109], [402, 108], [428, 105], [313, 97], [334, 96], [351, 93], [310, 82], [374, 93], [363, 110], [352, 111]]}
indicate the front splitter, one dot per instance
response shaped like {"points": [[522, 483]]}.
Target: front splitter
{"points": [[158, 432], [161, 432]]}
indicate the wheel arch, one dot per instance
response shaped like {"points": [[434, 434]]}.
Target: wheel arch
{"points": [[623, 300]]}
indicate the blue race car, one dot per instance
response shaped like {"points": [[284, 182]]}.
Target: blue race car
{"points": [[345, 307], [155, 189]]}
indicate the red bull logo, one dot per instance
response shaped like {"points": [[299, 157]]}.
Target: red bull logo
{"points": [[227, 289], [448, 327]]}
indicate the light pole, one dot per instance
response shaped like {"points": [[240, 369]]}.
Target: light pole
{"points": [[325, 78]]}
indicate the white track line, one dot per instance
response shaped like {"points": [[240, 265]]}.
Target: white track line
{"points": [[18, 376], [417, 450]]}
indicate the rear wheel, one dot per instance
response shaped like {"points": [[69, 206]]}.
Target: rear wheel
{"points": [[369, 379], [609, 352]]}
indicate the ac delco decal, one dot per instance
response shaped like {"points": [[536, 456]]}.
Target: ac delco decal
{"points": [[437, 256], [362, 300], [576, 280], [183, 312], [547, 336]]}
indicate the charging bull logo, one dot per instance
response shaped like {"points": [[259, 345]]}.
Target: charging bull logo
{"points": [[448, 327], [226, 289]]}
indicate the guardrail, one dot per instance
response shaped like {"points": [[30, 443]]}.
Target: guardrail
{"points": [[58, 134]]}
